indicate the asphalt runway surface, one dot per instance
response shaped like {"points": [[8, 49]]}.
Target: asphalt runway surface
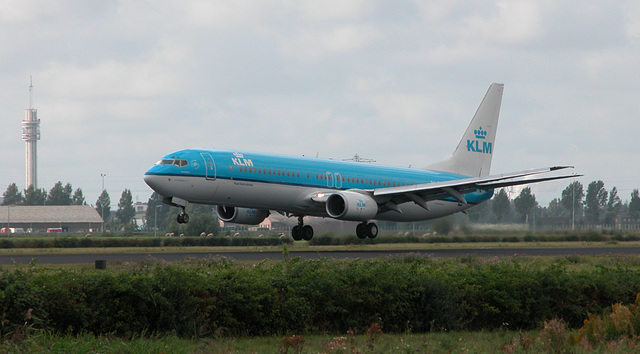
{"points": [[278, 255]]}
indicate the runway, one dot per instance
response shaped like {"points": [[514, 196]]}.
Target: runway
{"points": [[277, 255]]}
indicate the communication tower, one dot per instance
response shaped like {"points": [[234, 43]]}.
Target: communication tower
{"points": [[31, 135]]}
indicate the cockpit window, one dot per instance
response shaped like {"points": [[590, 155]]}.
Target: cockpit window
{"points": [[177, 162]]}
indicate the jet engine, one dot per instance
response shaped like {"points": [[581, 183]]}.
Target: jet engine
{"points": [[351, 206], [241, 215]]}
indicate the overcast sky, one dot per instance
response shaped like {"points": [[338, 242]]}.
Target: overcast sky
{"points": [[119, 84]]}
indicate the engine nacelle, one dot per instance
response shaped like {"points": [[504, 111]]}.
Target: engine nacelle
{"points": [[241, 215], [351, 206]]}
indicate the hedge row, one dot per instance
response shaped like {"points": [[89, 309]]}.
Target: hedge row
{"points": [[326, 239], [309, 296], [84, 242]]}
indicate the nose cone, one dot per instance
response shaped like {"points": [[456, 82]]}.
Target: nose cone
{"points": [[152, 181]]}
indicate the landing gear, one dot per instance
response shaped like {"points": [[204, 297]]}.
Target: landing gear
{"points": [[183, 217], [364, 230], [302, 231]]}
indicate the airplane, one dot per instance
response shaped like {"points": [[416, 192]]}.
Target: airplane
{"points": [[246, 186]]}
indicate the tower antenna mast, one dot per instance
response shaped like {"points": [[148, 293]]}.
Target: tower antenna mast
{"points": [[30, 92], [31, 135]]}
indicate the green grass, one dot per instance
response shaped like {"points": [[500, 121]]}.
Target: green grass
{"points": [[477, 342], [453, 342]]}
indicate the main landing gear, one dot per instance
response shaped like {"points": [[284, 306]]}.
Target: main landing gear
{"points": [[364, 230], [302, 231]]}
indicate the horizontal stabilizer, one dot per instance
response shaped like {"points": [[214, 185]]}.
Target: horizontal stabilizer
{"points": [[422, 193]]}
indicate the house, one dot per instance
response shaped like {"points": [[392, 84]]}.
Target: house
{"points": [[50, 218]]}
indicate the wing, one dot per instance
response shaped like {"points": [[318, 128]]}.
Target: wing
{"points": [[422, 193]]}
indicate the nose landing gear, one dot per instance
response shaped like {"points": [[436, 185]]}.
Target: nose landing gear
{"points": [[183, 217]]}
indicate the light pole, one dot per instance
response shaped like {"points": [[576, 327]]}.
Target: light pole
{"points": [[102, 202], [573, 207], [155, 220]]}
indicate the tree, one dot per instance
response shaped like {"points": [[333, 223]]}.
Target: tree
{"points": [[614, 205], [555, 208], [12, 196], [634, 204], [595, 201], [480, 212], [525, 202], [501, 205], [59, 195], [33, 196], [126, 211], [103, 205], [443, 226], [202, 218], [78, 198], [207, 223], [572, 197], [156, 208]]}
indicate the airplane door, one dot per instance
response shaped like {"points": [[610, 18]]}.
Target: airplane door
{"points": [[329, 179], [209, 166]]}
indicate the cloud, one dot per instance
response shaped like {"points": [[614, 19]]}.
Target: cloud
{"points": [[509, 22], [119, 84]]}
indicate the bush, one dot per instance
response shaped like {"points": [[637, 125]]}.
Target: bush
{"points": [[199, 297]]}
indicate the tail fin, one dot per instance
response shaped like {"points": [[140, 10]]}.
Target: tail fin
{"points": [[473, 155]]}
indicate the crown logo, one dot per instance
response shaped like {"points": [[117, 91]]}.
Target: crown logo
{"points": [[480, 133], [238, 155]]}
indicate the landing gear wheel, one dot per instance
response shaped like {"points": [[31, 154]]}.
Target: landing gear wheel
{"points": [[371, 230], [361, 231], [307, 232], [364, 230], [302, 231], [183, 218], [296, 234]]}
